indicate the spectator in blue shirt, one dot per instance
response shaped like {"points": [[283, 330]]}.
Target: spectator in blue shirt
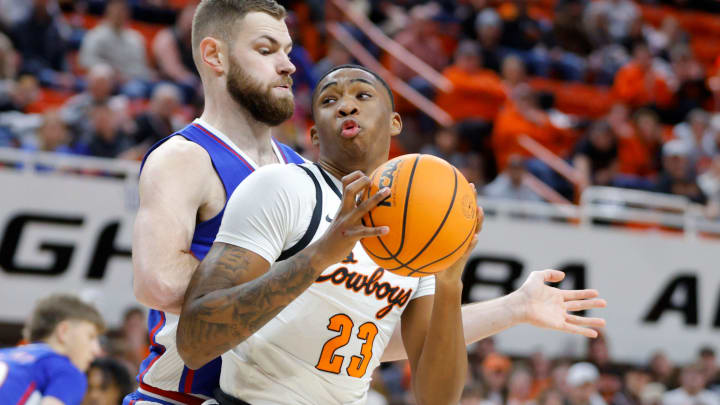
{"points": [[63, 332]]}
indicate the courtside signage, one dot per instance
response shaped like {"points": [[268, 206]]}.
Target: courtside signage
{"points": [[70, 233]]}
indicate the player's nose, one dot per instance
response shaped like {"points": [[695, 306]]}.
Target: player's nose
{"points": [[346, 108], [285, 66]]}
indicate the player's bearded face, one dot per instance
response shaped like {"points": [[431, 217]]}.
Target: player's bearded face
{"points": [[260, 100]]}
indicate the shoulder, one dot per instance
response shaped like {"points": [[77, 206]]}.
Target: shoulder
{"points": [[291, 153], [56, 365], [178, 153], [276, 188], [178, 160], [61, 379], [282, 178]]}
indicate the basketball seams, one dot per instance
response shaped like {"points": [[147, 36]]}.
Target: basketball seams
{"points": [[472, 230], [404, 268], [442, 223], [402, 238]]}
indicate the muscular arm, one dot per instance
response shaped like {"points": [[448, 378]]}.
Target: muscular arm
{"points": [[174, 185], [433, 336], [232, 295], [480, 320], [234, 292]]}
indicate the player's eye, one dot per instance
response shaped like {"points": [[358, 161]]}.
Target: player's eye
{"points": [[364, 96], [327, 100], [264, 51]]}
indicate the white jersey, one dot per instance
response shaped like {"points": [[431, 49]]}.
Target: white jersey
{"points": [[324, 346]]}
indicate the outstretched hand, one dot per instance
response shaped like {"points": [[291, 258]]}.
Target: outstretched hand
{"points": [[548, 307]]}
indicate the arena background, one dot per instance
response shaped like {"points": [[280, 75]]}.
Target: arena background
{"points": [[592, 129]]}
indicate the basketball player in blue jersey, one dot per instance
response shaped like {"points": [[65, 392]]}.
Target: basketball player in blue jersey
{"points": [[309, 327], [240, 48], [63, 332]]}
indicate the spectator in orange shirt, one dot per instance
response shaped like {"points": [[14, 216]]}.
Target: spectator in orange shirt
{"points": [[477, 92], [522, 116], [639, 154], [638, 85]]}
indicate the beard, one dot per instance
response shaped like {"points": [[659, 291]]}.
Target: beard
{"points": [[262, 104]]}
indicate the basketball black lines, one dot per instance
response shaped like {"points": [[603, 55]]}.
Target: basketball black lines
{"points": [[407, 202]]}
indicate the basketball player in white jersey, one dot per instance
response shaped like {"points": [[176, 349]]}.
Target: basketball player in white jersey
{"points": [[240, 48], [310, 329]]}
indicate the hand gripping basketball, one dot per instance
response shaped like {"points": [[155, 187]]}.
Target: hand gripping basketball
{"points": [[347, 229]]}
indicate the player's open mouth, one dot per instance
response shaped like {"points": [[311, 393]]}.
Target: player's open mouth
{"points": [[350, 128]]}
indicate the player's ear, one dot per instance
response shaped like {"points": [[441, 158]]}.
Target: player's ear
{"points": [[62, 331], [314, 136], [211, 54], [395, 124]]}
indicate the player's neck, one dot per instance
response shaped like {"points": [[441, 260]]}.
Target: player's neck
{"points": [[55, 344], [241, 128], [333, 169]]}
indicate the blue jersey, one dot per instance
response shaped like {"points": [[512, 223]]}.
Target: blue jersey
{"points": [[28, 373], [163, 378]]}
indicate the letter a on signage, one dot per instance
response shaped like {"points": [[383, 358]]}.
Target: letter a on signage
{"points": [[686, 283]]}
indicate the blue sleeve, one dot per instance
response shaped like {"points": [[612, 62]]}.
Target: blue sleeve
{"points": [[62, 380]]}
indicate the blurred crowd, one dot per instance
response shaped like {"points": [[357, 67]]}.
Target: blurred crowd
{"points": [[596, 379], [494, 378], [622, 98]]}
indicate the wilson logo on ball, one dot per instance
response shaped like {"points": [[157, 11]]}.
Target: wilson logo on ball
{"points": [[386, 180]]}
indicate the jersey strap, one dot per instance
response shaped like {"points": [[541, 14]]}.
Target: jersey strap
{"points": [[329, 182], [314, 221]]}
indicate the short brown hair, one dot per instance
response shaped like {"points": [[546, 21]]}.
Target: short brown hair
{"points": [[50, 311], [217, 18]]}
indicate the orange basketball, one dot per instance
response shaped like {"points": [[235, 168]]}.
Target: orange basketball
{"points": [[431, 212]]}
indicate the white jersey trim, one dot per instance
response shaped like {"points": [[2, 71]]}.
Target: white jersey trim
{"points": [[232, 144]]}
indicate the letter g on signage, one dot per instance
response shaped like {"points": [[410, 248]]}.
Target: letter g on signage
{"points": [[62, 253]]}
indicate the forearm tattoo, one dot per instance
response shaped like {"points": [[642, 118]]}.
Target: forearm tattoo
{"points": [[223, 308]]}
